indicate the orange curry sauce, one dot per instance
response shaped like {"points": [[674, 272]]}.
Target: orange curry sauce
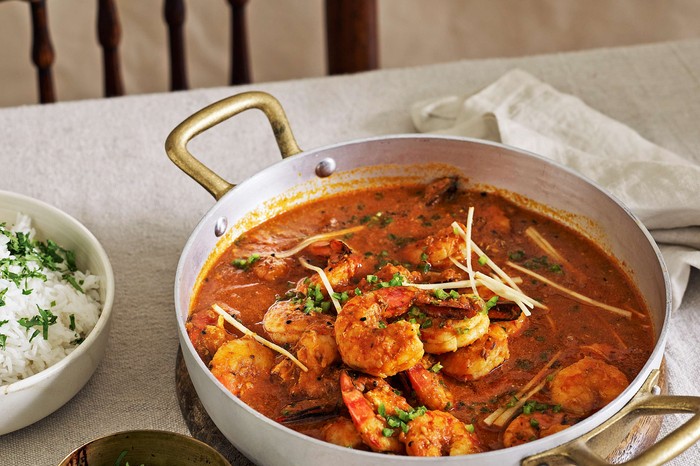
{"points": [[401, 224]]}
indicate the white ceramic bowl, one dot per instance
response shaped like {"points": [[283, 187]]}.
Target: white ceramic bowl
{"points": [[27, 401]]}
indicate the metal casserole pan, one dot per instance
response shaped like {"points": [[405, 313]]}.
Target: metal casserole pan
{"points": [[305, 176]]}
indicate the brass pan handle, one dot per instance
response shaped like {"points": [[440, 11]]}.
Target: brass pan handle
{"points": [[212, 115], [580, 451]]}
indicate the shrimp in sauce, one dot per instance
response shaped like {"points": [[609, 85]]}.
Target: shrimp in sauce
{"points": [[401, 353]]}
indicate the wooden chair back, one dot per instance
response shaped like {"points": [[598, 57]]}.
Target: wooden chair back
{"points": [[351, 39]]}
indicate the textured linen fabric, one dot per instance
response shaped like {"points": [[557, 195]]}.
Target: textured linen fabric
{"points": [[103, 162], [519, 110]]}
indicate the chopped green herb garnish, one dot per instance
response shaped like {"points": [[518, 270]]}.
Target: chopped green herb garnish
{"points": [[483, 260], [72, 322], [396, 280], [542, 262], [436, 367], [244, 263], [313, 300], [517, 256], [71, 279], [441, 294], [342, 297], [43, 320], [400, 240], [378, 219], [400, 419], [491, 303]]}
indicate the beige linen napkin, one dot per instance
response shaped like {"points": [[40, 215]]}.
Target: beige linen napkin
{"points": [[660, 187]]}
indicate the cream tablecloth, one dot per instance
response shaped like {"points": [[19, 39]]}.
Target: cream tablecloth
{"points": [[103, 162]]}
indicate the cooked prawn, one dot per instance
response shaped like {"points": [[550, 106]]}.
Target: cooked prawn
{"points": [[341, 267], [509, 317], [342, 432], [437, 433], [447, 335], [492, 219], [317, 350], [478, 359], [369, 342], [239, 363], [206, 334], [270, 268], [528, 427], [440, 189], [587, 385], [363, 409], [429, 387], [389, 271], [285, 321], [436, 249]]}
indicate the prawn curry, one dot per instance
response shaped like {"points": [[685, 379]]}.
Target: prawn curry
{"points": [[424, 320]]}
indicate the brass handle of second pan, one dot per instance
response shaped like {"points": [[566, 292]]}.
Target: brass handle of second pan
{"points": [[580, 451], [212, 115]]}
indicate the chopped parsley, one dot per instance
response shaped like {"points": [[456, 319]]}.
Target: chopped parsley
{"points": [[44, 320], [27, 258]]}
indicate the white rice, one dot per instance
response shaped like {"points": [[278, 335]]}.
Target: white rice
{"points": [[25, 351]]}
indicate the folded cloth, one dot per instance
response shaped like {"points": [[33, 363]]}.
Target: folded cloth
{"points": [[660, 187]]}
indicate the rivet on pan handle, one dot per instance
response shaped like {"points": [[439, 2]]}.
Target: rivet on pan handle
{"points": [[176, 143], [582, 451]]}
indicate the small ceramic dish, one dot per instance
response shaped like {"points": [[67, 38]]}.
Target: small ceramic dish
{"points": [[145, 447], [28, 400]]}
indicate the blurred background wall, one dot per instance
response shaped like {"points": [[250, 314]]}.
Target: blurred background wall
{"points": [[287, 40]]}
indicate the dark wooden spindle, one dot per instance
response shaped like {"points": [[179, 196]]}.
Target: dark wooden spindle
{"points": [[351, 36], [42, 51], [174, 12], [109, 34], [240, 65]]}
